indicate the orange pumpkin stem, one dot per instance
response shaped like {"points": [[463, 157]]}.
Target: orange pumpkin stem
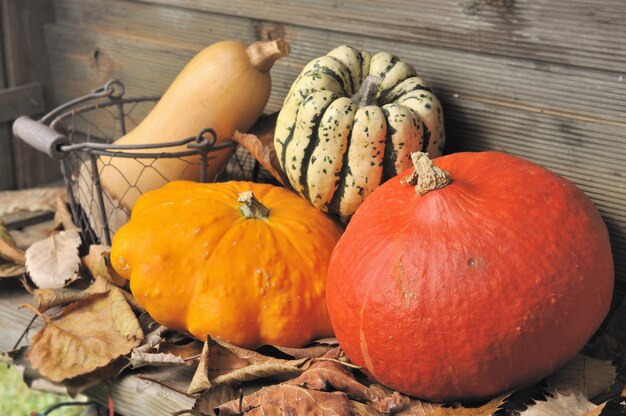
{"points": [[366, 95], [252, 208], [264, 54], [427, 176]]}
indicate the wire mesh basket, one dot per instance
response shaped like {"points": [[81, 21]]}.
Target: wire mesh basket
{"points": [[81, 134]]}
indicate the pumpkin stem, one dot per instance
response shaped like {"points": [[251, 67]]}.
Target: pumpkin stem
{"points": [[263, 54], [427, 176], [252, 207], [366, 95]]}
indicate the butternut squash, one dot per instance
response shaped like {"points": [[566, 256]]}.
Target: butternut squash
{"points": [[225, 87]]}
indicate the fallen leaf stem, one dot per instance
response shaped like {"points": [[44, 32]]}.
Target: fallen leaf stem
{"points": [[36, 312], [30, 323]]}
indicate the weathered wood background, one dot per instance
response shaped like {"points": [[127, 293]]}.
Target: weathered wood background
{"points": [[542, 79]]}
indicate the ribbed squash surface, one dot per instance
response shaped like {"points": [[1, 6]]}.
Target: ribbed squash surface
{"points": [[336, 150]]}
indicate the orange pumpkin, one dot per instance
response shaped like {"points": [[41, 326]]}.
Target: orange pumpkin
{"points": [[241, 261], [476, 283]]}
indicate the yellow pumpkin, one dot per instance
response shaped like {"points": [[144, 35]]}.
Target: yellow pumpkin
{"points": [[242, 261], [225, 87]]}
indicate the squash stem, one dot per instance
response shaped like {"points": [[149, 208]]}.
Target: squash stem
{"points": [[263, 54], [252, 207], [366, 95], [427, 176]]}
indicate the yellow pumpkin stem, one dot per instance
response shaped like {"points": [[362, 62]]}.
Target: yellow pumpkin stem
{"points": [[427, 176], [252, 208], [264, 54], [366, 95]]}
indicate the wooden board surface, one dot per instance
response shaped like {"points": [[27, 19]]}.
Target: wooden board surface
{"points": [[584, 33], [7, 175], [563, 109], [26, 62]]}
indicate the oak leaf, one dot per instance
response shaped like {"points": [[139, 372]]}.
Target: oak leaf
{"points": [[224, 363], [85, 336], [573, 403], [53, 262]]}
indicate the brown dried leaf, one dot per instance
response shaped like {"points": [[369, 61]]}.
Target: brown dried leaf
{"points": [[260, 143], [312, 351], [63, 217], [86, 335], [412, 407], [329, 386], [48, 298], [289, 400], [573, 403], [330, 374], [141, 359], [215, 397], [34, 199], [11, 270], [224, 363], [588, 375], [52, 263], [155, 351], [9, 251], [97, 265]]}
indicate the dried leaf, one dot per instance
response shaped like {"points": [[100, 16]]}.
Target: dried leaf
{"points": [[215, 397], [141, 359], [63, 217], [29, 235], [52, 263], [11, 270], [412, 407], [48, 298], [86, 335], [573, 403], [97, 265], [590, 376], [224, 363], [312, 351], [330, 374], [34, 199], [289, 400], [260, 143], [8, 249]]}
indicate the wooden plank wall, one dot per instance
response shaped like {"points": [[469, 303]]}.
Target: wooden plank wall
{"points": [[25, 63], [542, 79]]}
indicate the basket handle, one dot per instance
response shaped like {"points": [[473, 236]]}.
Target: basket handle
{"points": [[41, 137]]}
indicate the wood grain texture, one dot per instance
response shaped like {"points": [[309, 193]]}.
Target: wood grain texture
{"points": [[7, 175], [584, 33], [23, 100], [569, 116], [26, 62]]}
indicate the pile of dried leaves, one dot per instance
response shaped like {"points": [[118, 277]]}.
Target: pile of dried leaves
{"points": [[93, 332]]}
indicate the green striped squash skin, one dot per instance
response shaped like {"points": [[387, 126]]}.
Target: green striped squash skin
{"points": [[335, 152]]}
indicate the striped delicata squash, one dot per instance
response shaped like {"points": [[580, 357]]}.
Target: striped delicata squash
{"points": [[350, 122]]}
